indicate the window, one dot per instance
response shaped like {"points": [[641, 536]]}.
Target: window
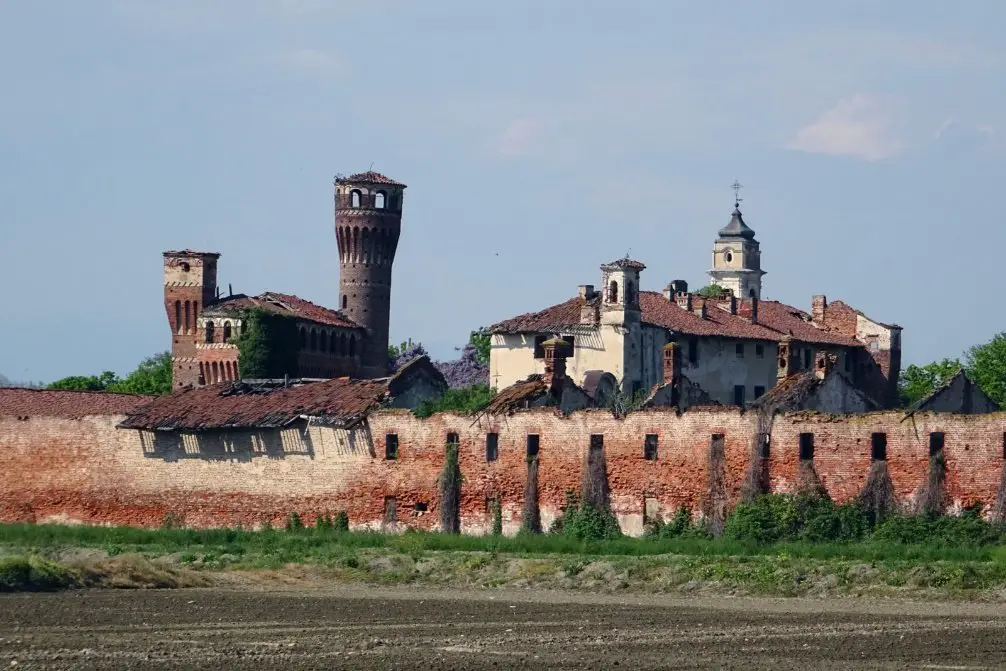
{"points": [[532, 444], [807, 354], [693, 350], [209, 331], [806, 446], [936, 440], [878, 446], [613, 292], [452, 439], [354, 198], [630, 292], [343, 348], [728, 257], [380, 200], [390, 510], [333, 343], [759, 351], [391, 446], [178, 316], [303, 339], [188, 314], [570, 345], [848, 362], [739, 394], [596, 442], [345, 301], [739, 349], [314, 339], [352, 345], [650, 447], [539, 351], [227, 331], [421, 507], [759, 391], [492, 446], [323, 342]]}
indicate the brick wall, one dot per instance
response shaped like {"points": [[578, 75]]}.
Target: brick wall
{"points": [[86, 470]]}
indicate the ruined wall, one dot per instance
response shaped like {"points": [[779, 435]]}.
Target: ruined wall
{"points": [[86, 470]]}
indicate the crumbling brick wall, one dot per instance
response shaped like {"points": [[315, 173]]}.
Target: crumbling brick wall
{"points": [[86, 470]]}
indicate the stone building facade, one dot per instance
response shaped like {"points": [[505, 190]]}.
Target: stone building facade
{"points": [[735, 347], [351, 340]]}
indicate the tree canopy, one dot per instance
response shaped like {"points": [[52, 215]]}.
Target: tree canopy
{"points": [[985, 364], [917, 382], [151, 377], [711, 291]]}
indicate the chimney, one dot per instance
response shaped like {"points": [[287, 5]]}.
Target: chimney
{"points": [[824, 361], [819, 309], [733, 303], [754, 309], [586, 291], [555, 364], [684, 300], [787, 364], [669, 292], [672, 364], [748, 310], [700, 310]]}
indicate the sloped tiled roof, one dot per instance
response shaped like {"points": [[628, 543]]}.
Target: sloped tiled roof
{"points": [[775, 320], [286, 304], [19, 402], [369, 177]]}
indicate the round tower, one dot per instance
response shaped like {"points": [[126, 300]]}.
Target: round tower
{"points": [[368, 221]]}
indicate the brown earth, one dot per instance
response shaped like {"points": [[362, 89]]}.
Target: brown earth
{"points": [[401, 628]]}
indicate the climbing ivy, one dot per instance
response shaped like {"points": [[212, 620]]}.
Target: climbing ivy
{"points": [[268, 345]]}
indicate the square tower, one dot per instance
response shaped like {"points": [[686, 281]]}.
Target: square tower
{"points": [[190, 284], [737, 258]]}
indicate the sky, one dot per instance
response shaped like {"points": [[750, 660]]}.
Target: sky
{"points": [[538, 140]]}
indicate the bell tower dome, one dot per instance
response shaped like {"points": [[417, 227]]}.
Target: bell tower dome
{"points": [[737, 257]]}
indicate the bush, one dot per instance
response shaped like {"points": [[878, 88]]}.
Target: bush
{"points": [[783, 517], [968, 530], [586, 522], [680, 526], [31, 574], [341, 522]]}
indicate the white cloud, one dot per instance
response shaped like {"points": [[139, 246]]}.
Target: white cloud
{"points": [[311, 60], [860, 126], [519, 137]]}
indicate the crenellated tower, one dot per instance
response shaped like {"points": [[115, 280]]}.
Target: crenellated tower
{"points": [[190, 284], [368, 222]]}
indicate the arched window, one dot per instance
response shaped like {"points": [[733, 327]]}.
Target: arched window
{"points": [[323, 342], [333, 343], [202, 373], [630, 292], [178, 316], [751, 292], [209, 331], [613, 292], [354, 198], [380, 200], [227, 331], [344, 301], [303, 338], [314, 339], [188, 313], [352, 345], [342, 345], [366, 245], [214, 372]]}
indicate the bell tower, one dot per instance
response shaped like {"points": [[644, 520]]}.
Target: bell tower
{"points": [[368, 222], [736, 256]]}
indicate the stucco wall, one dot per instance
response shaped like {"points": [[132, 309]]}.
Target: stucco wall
{"points": [[88, 471]]}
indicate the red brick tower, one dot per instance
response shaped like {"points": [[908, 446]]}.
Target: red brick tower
{"points": [[190, 284], [368, 221]]}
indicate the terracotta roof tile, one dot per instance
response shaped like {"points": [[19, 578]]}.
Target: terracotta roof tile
{"points": [[265, 404], [775, 320], [287, 304], [368, 177], [19, 402]]}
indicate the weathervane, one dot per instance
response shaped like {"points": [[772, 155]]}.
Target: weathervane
{"points": [[737, 186]]}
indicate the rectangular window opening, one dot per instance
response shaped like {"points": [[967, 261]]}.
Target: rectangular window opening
{"points": [[492, 446], [532, 444], [539, 351], [759, 391], [390, 510], [1004, 445], [739, 394], [452, 439], [570, 345], [420, 507], [693, 350], [739, 349], [760, 351], [878, 446], [806, 446], [596, 442], [650, 447], [936, 440], [808, 355], [391, 446]]}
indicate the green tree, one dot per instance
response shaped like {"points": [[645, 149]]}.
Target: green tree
{"points": [[394, 351], [267, 347], [711, 291], [986, 366], [917, 382], [482, 342], [85, 382], [152, 377]]}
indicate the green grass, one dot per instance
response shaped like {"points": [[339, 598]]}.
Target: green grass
{"points": [[326, 546], [32, 574]]}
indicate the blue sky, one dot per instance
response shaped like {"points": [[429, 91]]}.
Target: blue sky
{"points": [[538, 140]]}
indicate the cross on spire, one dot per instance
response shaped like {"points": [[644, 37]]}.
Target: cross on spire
{"points": [[737, 186]]}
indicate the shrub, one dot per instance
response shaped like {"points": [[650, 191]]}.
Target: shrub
{"points": [[783, 517], [293, 522], [585, 521], [341, 522], [680, 526], [968, 530], [31, 574]]}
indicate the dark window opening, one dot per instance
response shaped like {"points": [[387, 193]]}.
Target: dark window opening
{"points": [[227, 331], [630, 292], [693, 350], [740, 350], [492, 446], [570, 345], [539, 351], [421, 507], [936, 440], [314, 339], [345, 301], [391, 446], [209, 331], [532, 444], [759, 391], [452, 439], [342, 345], [763, 445], [390, 510], [739, 394], [333, 343], [613, 292], [352, 345], [759, 351], [596, 442], [650, 447], [806, 446], [178, 316], [807, 354], [878, 446], [848, 362], [637, 386], [303, 339]]}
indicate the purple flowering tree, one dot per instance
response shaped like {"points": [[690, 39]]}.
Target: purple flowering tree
{"points": [[465, 371]]}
